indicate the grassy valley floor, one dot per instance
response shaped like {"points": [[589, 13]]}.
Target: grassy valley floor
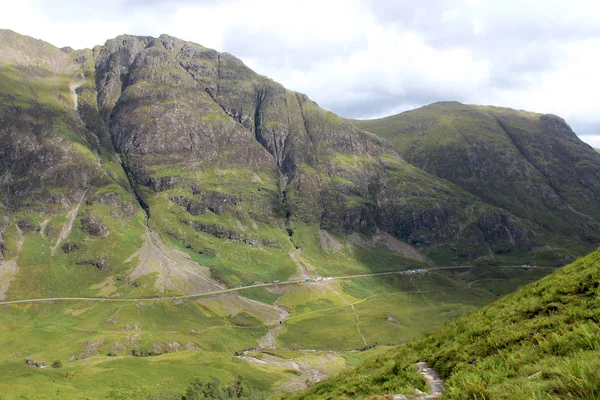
{"points": [[294, 334]]}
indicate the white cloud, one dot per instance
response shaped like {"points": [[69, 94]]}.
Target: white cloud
{"points": [[29, 18]]}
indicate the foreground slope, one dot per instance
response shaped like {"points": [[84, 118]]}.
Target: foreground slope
{"points": [[531, 165], [541, 342]]}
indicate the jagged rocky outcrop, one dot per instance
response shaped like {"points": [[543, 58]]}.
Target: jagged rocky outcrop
{"points": [[183, 108]]}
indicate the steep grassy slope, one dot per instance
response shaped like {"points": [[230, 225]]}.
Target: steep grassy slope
{"points": [[541, 342], [530, 165]]}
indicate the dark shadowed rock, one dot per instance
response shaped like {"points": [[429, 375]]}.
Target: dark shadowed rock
{"points": [[69, 247], [92, 226]]}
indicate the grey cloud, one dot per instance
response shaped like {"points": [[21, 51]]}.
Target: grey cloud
{"points": [[584, 128], [520, 40], [368, 100], [501, 21], [277, 53]]}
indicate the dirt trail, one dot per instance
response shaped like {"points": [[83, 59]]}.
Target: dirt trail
{"points": [[9, 268], [357, 324], [175, 269], [66, 229], [434, 381], [353, 309]]}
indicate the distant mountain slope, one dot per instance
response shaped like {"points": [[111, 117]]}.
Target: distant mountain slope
{"points": [[67, 212], [103, 148], [531, 165], [541, 342], [222, 147]]}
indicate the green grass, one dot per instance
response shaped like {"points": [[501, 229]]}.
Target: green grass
{"points": [[392, 309], [42, 273], [320, 318], [260, 294], [47, 332], [128, 378], [541, 342]]}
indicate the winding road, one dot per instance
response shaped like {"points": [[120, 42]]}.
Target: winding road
{"points": [[236, 289]]}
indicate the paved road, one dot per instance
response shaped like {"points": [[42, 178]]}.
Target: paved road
{"points": [[204, 294]]}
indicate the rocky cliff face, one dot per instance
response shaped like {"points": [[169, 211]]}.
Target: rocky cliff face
{"points": [[182, 107], [227, 164]]}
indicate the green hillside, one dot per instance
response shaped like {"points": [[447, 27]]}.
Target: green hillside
{"points": [[543, 342], [531, 165]]}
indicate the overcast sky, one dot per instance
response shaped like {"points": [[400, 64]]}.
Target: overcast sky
{"points": [[370, 58]]}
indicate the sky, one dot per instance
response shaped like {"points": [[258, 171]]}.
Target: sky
{"points": [[370, 58]]}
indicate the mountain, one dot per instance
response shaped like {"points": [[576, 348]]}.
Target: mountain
{"points": [[168, 214], [110, 151], [541, 341], [530, 165]]}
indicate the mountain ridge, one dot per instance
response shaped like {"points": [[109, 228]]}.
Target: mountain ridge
{"points": [[221, 158], [495, 161]]}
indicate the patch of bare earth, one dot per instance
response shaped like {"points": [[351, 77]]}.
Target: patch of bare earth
{"points": [[66, 229], [174, 269], [9, 268], [328, 242], [397, 246], [304, 270], [269, 340], [43, 227], [307, 371], [79, 80]]}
